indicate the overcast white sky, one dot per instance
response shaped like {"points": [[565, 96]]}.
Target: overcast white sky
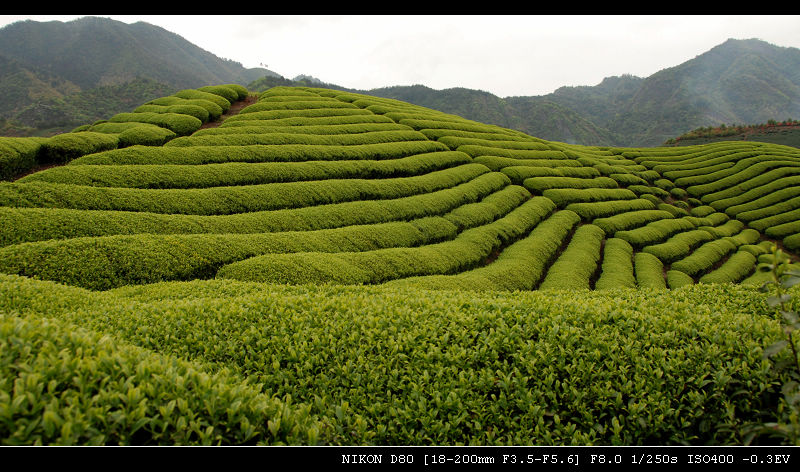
{"points": [[504, 55]]}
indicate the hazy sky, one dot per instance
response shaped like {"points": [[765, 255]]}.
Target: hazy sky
{"points": [[504, 55]]}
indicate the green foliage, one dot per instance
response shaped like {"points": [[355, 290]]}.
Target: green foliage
{"points": [[629, 220], [462, 252], [234, 199], [537, 185], [575, 267], [247, 139], [436, 203], [214, 110], [106, 262], [785, 351], [649, 271], [193, 110], [367, 365], [65, 147], [592, 210], [224, 91], [679, 245], [520, 266], [180, 124], [18, 155], [246, 173], [655, 232], [737, 267], [38, 224], [192, 94], [677, 279], [563, 196], [258, 153], [617, 268], [83, 387], [704, 257]]}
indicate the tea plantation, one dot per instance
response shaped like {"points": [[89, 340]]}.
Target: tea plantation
{"points": [[329, 268]]}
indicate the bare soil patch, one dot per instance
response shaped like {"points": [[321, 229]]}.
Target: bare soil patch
{"points": [[235, 108]]}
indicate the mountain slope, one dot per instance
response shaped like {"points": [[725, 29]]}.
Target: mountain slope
{"points": [[56, 66], [739, 81]]}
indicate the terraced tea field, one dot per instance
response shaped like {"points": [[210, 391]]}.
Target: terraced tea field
{"points": [[332, 268]]}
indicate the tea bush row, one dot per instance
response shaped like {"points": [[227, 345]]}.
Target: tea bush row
{"points": [[230, 200], [329, 113], [258, 153], [347, 128], [630, 220], [101, 263], [244, 173], [192, 110], [537, 185], [214, 110], [372, 137], [83, 387], [737, 267], [466, 250], [563, 197], [37, 224], [307, 121], [520, 266], [655, 232], [500, 163], [608, 208], [617, 267], [518, 174], [18, 155], [575, 266]]}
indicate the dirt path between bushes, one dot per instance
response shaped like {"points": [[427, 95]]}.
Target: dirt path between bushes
{"points": [[235, 108]]}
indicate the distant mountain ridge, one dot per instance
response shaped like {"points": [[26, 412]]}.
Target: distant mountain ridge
{"points": [[739, 81]]}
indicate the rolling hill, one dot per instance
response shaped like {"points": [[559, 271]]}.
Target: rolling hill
{"points": [[329, 267]]}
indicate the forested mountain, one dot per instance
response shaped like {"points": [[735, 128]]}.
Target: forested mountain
{"points": [[56, 75]]}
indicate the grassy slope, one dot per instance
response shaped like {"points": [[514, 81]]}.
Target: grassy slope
{"points": [[515, 206]]}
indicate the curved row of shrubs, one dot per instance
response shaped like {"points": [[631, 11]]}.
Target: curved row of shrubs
{"points": [[236, 199], [153, 124], [463, 252], [245, 173], [37, 224]]}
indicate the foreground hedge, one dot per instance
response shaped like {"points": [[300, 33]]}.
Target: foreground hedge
{"points": [[370, 365], [81, 387]]}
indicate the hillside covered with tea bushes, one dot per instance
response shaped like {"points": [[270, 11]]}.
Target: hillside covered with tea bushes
{"points": [[326, 267]]}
